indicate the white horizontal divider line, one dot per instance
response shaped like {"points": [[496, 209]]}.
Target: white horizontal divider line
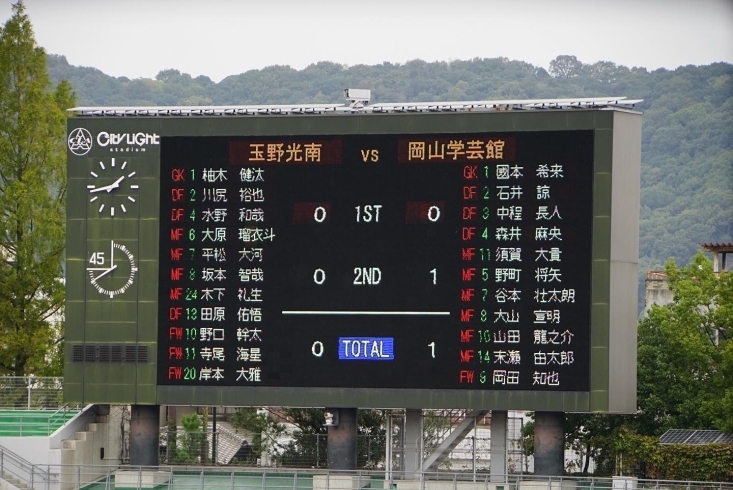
{"points": [[356, 312]]}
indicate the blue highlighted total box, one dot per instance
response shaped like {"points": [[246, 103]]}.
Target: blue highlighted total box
{"points": [[366, 348]]}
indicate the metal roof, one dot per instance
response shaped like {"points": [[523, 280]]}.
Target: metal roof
{"points": [[457, 106], [718, 247]]}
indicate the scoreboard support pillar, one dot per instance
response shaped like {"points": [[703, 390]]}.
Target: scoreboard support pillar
{"points": [[499, 419], [413, 443], [549, 447], [342, 440], [144, 435]]}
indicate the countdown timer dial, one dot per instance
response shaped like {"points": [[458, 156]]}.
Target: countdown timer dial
{"points": [[109, 275]]}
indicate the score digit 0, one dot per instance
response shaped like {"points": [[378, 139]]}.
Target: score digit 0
{"points": [[424, 212], [317, 348], [320, 214], [308, 213]]}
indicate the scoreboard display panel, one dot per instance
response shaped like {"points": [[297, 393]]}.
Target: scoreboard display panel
{"points": [[393, 261], [419, 261]]}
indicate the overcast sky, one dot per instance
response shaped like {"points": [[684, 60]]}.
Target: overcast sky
{"points": [[218, 38]]}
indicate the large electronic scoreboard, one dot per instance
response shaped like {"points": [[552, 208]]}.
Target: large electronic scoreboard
{"points": [[470, 260]]}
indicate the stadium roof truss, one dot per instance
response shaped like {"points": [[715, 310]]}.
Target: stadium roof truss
{"points": [[280, 109]]}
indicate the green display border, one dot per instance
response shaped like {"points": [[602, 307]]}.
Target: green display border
{"points": [[136, 383]]}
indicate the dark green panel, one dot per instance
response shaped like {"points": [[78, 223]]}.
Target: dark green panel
{"points": [[148, 322], [599, 324], [116, 394], [387, 398], [600, 371], [74, 313], [133, 317], [76, 283], [148, 168], [599, 401], [101, 309], [602, 195], [148, 229], [100, 373], [603, 150], [384, 124], [602, 238], [146, 392], [73, 392], [76, 202], [110, 332], [600, 291], [603, 119]]}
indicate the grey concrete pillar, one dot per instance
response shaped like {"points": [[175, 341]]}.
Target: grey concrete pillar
{"points": [[499, 421], [342, 440], [144, 435], [549, 443], [413, 444]]}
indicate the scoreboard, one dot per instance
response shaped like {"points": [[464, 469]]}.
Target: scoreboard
{"points": [[426, 260], [400, 261]]}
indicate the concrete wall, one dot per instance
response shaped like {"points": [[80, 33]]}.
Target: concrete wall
{"points": [[79, 442], [656, 291]]}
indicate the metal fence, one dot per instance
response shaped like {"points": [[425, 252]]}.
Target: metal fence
{"points": [[68, 477], [15, 469], [311, 451], [31, 392], [223, 449]]}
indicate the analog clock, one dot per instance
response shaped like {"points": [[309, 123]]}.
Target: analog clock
{"points": [[112, 274], [113, 187]]}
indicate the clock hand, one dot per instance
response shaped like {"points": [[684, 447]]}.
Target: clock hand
{"points": [[100, 189], [108, 188], [105, 273], [116, 183]]}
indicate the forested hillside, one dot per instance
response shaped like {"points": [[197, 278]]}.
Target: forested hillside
{"points": [[687, 141]]}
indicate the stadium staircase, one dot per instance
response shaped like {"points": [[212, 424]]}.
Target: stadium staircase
{"points": [[228, 442], [461, 424], [18, 473]]}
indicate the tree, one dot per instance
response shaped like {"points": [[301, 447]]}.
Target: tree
{"points": [[592, 436], [566, 66], [192, 441], [263, 428], [686, 354], [309, 440], [32, 201], [685, 364]]}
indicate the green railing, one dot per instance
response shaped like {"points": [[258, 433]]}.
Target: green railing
{"points": [[25, 423]]}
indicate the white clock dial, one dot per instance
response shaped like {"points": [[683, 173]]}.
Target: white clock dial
{"points": [[112, 274], [112, 187]]}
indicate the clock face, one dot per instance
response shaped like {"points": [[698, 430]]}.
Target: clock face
{"points": [[113, 187], [112, 271]]}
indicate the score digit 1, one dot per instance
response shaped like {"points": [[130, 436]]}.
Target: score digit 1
{"points": [[434, 272]]}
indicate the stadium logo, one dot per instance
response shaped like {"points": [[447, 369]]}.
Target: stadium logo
{"points": [[127, 141], [80, 141]]}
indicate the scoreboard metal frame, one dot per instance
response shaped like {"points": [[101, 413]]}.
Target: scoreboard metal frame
{"points": [[122, 308]]}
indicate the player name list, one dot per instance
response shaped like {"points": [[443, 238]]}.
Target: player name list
{"points": [[442, 261]]}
